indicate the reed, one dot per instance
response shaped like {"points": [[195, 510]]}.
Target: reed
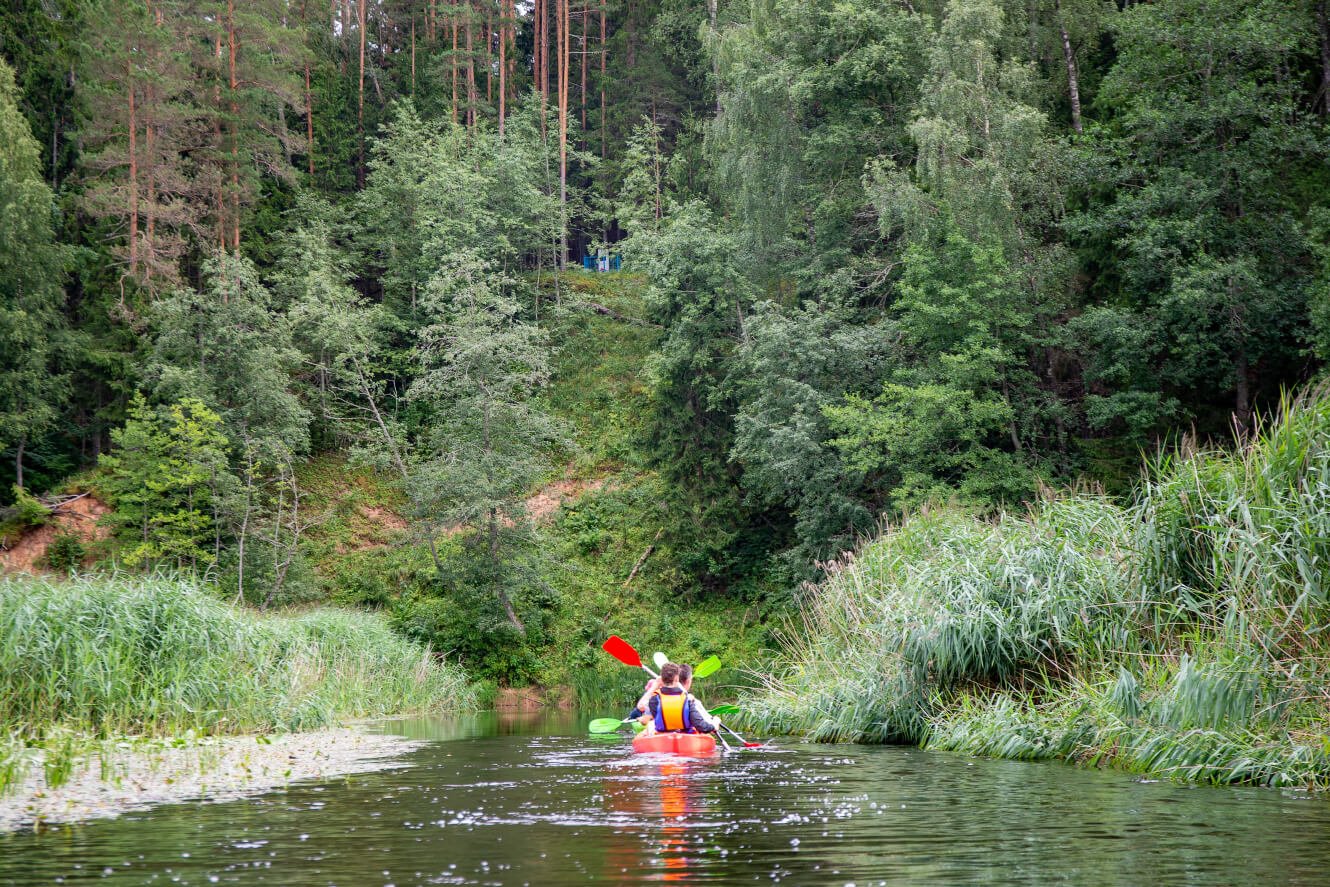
{"points": [[1182, 634], [125, 655]]}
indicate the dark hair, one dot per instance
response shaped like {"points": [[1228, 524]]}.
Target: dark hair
{"points": [[669, 673], [685, 672]]}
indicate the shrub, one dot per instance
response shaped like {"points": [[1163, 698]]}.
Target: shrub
{"points": [[66, 552]]}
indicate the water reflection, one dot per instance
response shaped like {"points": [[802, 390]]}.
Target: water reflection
{"points": [[528, 798]]}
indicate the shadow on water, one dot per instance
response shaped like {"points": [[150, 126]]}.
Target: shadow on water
{"points": [[529, 798]]}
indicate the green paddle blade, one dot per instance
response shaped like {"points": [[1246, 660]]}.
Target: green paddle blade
{"points": [[708, 666], [660, 659], [725, 710], [605, 725], [638, 726]]}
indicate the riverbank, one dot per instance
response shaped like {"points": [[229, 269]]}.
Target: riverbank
{"points": [[125, 655], [112, 778], [1181, 635], [260, 699]]}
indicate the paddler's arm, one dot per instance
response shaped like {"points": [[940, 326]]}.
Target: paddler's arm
{"points": [[652, 686], [700, 718]]}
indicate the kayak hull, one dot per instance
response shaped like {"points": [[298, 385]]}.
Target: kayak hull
{"points": [[691, 744]]}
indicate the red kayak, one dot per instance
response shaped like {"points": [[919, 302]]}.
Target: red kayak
{"points": [[693, 744]]}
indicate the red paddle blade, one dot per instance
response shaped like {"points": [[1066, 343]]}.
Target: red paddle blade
{"points": [[622, 651]]}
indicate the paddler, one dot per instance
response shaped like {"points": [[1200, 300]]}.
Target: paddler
{"points": [[672, 709]]}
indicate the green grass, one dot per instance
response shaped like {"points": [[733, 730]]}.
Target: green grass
{"points": [[128, 655], [1182, 635]]}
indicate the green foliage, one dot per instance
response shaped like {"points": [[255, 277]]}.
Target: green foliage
{"points": [[1206, 151], [226, 346], [1180, 637], [28, 511], [643, 198], [165, 481], [122, 655], [66, 552], [490, 440], [32, 265]]}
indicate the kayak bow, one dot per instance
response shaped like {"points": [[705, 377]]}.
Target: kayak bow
{"points": [[692, 744]]}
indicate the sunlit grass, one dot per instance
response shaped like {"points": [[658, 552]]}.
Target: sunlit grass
{"points": [[1182, 635]]}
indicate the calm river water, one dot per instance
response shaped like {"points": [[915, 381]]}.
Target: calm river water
{"points": [[509, 800]]}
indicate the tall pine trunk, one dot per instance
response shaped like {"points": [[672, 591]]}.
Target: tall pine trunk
{"points": [[309, 100], [586, 18], [503, 65], [1073, 81], [133, 175], [234, 85], [361, 18], [604, 132], [1323, 30], [471, 94], [452, 20], [563, 28]]}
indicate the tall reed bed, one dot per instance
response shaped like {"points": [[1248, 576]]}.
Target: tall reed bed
{"points": [[1181, 635], [133, 655]]}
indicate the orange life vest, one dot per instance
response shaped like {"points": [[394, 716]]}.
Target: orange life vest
{"points": [[672, 712]]}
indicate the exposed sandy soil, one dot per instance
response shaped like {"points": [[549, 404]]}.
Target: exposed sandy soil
{"points": [[79, 517], [213, 769], [545, 504], [375, 526]]}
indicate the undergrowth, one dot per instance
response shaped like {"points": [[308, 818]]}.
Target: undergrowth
{"points": [[1182, 635]]}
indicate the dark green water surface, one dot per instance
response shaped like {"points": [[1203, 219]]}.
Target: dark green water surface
{"points": [[532, 800]]}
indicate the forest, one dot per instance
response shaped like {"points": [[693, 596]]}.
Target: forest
{"points": [[877, 259]]}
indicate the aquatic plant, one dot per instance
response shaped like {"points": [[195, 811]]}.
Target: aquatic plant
{"points": [[1180, 635], [156, 655]]}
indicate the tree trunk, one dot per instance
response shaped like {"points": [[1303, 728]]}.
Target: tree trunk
{"points": [[217, 142], [452, 19], [503, 65], [563, 27], [712, 17], [1242, 389], [413, 56], [541, 60], [494, 562], [471, 94], [18, 462], [1073, 81], [1323, 29], [360, 97], [604, 132], [586, 18], [489, 52], [133, 176], [234, 84], [309, 99]]}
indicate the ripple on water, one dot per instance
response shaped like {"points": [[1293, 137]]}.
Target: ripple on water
{"points": [[550, 807]]}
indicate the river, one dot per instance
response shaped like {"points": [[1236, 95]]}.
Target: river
{"points": [[514, 799]]}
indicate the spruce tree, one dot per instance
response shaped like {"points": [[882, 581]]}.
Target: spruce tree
{"points": [[32, 386]]}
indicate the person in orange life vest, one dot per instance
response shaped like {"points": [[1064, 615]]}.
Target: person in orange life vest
{"points": [[670, 708]]}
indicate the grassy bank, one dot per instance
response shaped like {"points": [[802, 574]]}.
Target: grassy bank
{"points": [[133, 656], [1182, 635]]}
